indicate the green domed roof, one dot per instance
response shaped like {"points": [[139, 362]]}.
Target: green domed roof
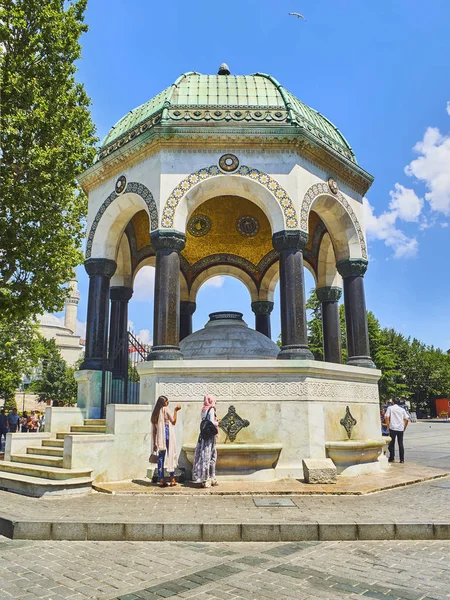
{"points": [[225, 100]]}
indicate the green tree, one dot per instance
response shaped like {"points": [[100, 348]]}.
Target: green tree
{"points": [[315, 334], [47, 139], [56, 380], [20, 351]]}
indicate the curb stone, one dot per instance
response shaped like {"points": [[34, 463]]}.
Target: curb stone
{"points": [[221, 532]]}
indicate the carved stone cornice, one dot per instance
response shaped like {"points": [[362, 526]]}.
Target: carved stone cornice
{"points": [[168, 240], [262, 307], [289, 240], [352, 267], [120, 293], [329, 294], [187, 307], [100, 266]]}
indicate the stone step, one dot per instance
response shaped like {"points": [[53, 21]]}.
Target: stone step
{"points": [[53, 443], [60, 436], [101, 422], [88, 429], [40, 486], [42, 471], [35, 459], [46, 451]]}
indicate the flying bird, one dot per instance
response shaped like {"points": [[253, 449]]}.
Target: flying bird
{"points": [[294, 14]]}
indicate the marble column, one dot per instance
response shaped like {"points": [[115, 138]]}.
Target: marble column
{"points": [[118, 330], [100, 271], [262, 310], [187, 309], [352, 271], [294, 334], [331, 329], [166, 323]]}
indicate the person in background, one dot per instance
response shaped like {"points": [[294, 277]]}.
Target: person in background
{"points": [[3, 426], [397, 421], [24, 422], [164, 441], [384, 427], [42, 422], [13, 421], [33, 422]]}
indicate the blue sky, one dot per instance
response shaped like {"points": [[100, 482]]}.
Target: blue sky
{"points": [[379, 69]]}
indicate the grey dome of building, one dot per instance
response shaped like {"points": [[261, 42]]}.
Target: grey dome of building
{"points": [[227, 336]]}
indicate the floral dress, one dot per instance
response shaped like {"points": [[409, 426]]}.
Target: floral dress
{"points": [[205, 454]]}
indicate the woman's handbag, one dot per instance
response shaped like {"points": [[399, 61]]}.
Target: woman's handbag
{"points": [[207, 429], [153, 458]]}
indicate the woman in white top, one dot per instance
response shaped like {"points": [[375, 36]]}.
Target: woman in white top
{"points": [[204, 470]]}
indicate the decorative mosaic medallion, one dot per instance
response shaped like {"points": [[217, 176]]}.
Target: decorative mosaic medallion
{"points": [[247, 226], [228, 163], [232, 423], [199, 225], [332, 184], [348, 422], [121, 184]]}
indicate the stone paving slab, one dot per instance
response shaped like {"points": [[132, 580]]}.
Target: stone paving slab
{"points": [[396, 475], [224, 571]]}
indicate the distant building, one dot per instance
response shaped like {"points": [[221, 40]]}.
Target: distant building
{"points": [[68, 342]]}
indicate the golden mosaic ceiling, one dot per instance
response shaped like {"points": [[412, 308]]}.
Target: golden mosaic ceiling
{"points": [[141, 226], [222, 215]]}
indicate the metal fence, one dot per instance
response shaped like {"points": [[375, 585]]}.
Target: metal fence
{"points": [[120, 379]]}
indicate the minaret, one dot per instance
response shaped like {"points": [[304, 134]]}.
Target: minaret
{"points": [[71, 306]]}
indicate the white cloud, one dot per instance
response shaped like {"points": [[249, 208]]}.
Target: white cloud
{"points": [[144, 336], [384, 228], [144, 285], [81, 329], [448, 107], [433, 168], [405, 203], [216, 282]]}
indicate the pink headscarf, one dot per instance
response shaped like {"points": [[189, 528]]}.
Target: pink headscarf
{"points": [[208, 402]]}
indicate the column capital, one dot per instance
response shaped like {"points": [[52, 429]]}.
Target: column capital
{"points": [[329, 294], [168, 240], [352, 267], [100, 266], [120, 293], [289, 240], [262, 307], [187, 307]]}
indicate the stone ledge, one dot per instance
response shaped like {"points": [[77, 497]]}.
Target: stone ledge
{"points": [[222, 532]]}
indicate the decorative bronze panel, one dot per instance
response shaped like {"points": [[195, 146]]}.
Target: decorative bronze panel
{"points": [[232, 423]]}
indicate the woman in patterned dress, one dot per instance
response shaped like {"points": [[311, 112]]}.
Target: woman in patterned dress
{"points": [[204, 470]]}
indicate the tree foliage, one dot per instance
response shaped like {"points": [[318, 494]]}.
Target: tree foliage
{"points": [[56, 380], [409, 368], [20, 351], [47, 139]]}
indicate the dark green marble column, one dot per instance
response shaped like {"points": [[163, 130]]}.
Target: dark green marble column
{"points": [[187, 309], [118, 330], [100, 271], [331, 329], [262, 310], [294, 334], [166, 324], [352, 271]]}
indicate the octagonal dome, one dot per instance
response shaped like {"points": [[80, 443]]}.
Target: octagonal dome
{"points": [[224, 101], [227, 336]]}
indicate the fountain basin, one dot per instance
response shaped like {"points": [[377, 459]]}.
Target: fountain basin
{"points": [[356, 457], [238, 462]]}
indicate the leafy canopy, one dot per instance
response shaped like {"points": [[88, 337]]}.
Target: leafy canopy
{"points": [[56, 380], [47, 140]]}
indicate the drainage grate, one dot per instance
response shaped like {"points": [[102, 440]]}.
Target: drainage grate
{"points": [[273, 502]]}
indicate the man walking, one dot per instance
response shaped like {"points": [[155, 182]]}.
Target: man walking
{"points": [[397, 421]]}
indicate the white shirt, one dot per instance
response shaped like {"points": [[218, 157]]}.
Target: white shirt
{"points": [[396, 415]]}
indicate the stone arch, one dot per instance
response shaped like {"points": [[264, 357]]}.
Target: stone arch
{"points": [[217, 270], [114, 200], [271, 278], [246, 182], [327, 273], [341, 221], [150, 261]]}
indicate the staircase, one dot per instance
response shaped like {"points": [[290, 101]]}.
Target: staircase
{"points": [[40, 470]]}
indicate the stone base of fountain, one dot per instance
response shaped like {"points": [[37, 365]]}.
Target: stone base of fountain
{"points": [[238, 462], [357, 457]]}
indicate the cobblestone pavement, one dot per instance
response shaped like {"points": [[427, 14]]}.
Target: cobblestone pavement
{"points": [[428, 444], [226, 571]]}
